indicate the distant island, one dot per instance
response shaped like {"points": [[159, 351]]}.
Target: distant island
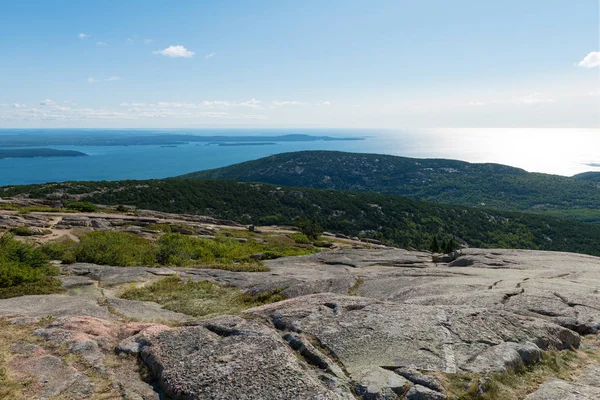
{"points": [[246, 144], [127, 138], [37, 153]]}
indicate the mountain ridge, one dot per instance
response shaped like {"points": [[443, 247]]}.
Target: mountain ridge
{"points": [[455, 182]]}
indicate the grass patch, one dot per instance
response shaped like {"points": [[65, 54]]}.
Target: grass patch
{"points": [[24, 269], [353, 290], [517, 384], [199, 299], [9, 334]]}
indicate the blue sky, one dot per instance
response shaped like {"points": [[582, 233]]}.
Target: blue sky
{"points": [[350, 63]]}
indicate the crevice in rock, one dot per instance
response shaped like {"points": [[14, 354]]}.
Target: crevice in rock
{"points": [[418, 378], [334, 307], [494, 284], [224, 331], [508, 296]]}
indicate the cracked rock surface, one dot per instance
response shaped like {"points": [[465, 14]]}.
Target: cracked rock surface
{"points": [[368, 324]]}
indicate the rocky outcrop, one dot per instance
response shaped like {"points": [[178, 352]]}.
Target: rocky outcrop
{"points": [[368, 324], [230, 357]]}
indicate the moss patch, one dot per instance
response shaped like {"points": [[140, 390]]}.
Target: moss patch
{"points": [[199, 299]]}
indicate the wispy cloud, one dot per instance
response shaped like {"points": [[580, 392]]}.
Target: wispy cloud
{"points": [[476, 104], [209, 55], [535, 98], [324, 103], [83, 35], [91, 79], [206, 104], [112, 79], [278, 103], [175, 52], [101, 44], [148, 41], [591, 60], [193, 112]]}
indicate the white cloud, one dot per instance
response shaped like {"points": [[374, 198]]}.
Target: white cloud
{"points": [[206, 104], [113, 78], [324, 103], [83, 36], [286, 103], [252, 103], [591, 60], [476, 103], [17, 105], [535, 98], [101, 44], [175, 52], [91, 80], [209, 55], [47, 102], [148, 41]]}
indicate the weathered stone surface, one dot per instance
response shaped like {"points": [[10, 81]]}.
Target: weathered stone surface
{"points": [[247, 361], [365, 333], [556, 389], [419, 392], [144, 310], [55, 305], [484, 311], [107, 276], [52, 377]]}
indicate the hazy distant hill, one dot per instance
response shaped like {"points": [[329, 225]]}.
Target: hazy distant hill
{"points": [[437, 180], [398, 220], [591, 176]]}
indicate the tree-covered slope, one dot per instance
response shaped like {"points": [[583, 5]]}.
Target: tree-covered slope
{"points": [[401, 221], [591, 176], [437, 180]]}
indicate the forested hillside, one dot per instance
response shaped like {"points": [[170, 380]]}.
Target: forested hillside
{"points": [[393, 219], [444, 181]]}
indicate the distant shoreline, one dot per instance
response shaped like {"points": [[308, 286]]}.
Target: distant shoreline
{"points": [[38, 153], [125, 139], [246, 144]]}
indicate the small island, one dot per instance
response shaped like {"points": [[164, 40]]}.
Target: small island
{"points": [[247, 144], [37, 153]]}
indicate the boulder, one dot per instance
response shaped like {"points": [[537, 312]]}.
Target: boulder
{"points": [[247, 361]]}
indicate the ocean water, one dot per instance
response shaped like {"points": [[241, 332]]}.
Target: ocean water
{"points": [[556, 151]]}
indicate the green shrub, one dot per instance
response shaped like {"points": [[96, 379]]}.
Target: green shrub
{"points": [[82, 206], [22, 231], [309, 227], [300, 238], [24, 269], [115, 248], [63, 250], [323, 243], [159, 227]]}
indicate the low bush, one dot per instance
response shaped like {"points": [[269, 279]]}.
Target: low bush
{"points": [[82, 206], [24, 269], [114, 248], [300, 238], [22, 231]]}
